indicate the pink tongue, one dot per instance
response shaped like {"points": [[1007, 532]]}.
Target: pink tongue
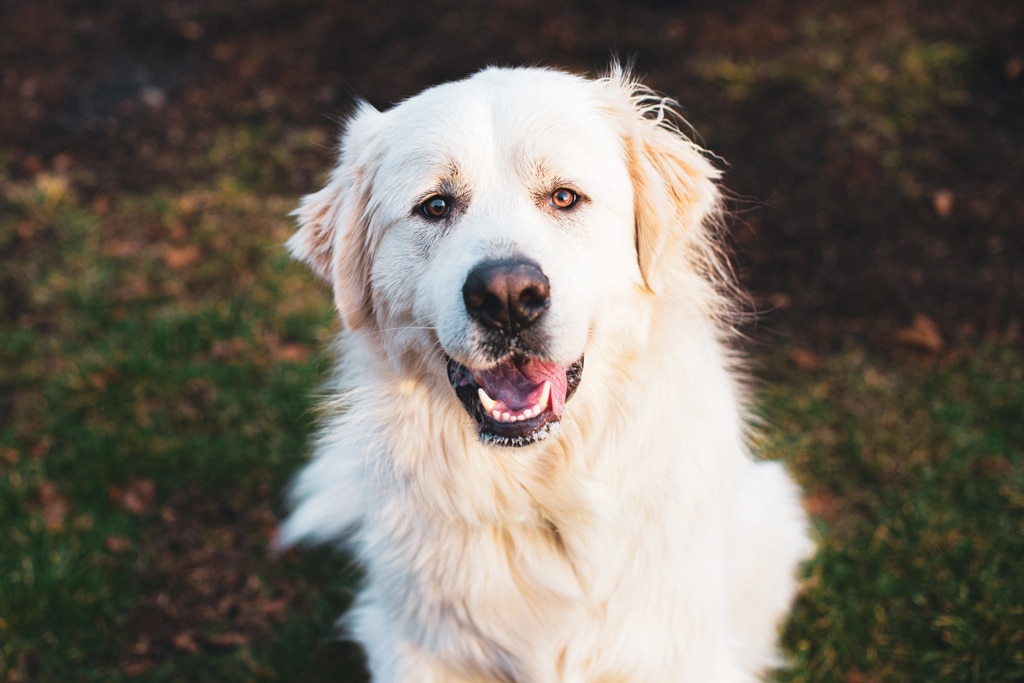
{"points": [[518, 383]]}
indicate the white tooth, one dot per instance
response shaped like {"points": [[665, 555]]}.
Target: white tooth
{"points": [[486, 401], [545, 396], [496, 414], [527, 414], [505, 417]]}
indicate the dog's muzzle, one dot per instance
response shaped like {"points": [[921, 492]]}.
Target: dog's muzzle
{"points": [[519, 399]]}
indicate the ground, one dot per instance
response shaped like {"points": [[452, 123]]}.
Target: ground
{"points": [[874, 149], [150, 153]]}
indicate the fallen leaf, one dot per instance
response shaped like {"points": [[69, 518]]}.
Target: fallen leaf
{"points": [[292, 353], [55, 505], [995, 466], [32, 163], [274, 609], [124, 248], [42, 447], [942, 202], [804, 359], [1014, 68], [823, 505], [182, 257], [228, 349], [136, 667], [780, 300], [117, 544], [62, 162], [139, 497], [922, 333], [185, 641]]}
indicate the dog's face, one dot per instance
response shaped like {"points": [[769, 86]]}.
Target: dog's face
{"points": [[490, 229]]}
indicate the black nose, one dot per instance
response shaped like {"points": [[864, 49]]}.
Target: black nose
{"points": [[507, 295]]}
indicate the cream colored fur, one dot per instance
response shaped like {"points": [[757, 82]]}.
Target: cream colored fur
{"points": [[640, 543]]}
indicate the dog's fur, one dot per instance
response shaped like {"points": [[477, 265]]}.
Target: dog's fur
{"points": [[624, 535]]}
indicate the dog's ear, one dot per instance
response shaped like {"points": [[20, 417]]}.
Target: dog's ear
{"points": [[674, 190], [333, 234]]}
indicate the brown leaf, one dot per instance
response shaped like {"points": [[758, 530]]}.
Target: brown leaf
{"points": [[804, 359], [995, 466], [124, 248], [922, 333], [136, 667], [182, 257], [780, 300], [55, 505], [42, 447], [228, 349], [823, 505], [117, 544], [271, 535], [185, 641], [32, 163], [139, 497], [1014, 68], [942, 202], [274, 609], [292, 353]]}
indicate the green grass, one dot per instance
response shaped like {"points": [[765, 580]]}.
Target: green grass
{"points": [[916, 472], [131, 354], [166, 341]]}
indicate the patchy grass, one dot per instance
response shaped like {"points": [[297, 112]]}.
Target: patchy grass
{"points": [[158, 358], [915, 474], [877, 89]]}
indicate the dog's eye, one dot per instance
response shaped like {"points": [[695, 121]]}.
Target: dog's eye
{"points": [[563, 198], [435, 207]]}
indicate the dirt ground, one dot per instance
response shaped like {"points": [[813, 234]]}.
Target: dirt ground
{"points": [[878, 201]]}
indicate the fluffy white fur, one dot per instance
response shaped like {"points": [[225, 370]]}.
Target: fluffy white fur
{"points": [[641, 542]]}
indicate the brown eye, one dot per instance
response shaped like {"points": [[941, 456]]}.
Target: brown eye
{"points": [[563, 198], [435, 207]]}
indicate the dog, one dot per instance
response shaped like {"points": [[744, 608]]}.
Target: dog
{"points": [[536, 438]]}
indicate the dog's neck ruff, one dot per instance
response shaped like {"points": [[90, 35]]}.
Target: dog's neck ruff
{"points": [[518, 401]]}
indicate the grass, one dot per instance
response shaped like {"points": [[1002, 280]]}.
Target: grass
{"points": [[158, 357], [878, 90], [916, 475], [148, 377]]}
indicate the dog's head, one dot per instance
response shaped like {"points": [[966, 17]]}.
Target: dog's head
{"points": [[496, 229]]}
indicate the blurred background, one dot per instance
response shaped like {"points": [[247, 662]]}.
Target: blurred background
{"points": [[160, 355]]}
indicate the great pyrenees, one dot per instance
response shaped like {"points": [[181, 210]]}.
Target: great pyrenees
{"points": [[535, 441]]}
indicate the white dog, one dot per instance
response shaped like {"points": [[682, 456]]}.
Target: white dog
{"points": [[537, 442]]}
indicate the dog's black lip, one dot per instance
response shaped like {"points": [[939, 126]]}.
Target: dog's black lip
{"points": [[512, 434]]}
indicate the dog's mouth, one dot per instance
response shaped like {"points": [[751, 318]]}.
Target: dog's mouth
{"points": [[518, 401]]}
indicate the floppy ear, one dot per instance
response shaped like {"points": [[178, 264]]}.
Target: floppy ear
{"points": [[674, 189], [333, 235]]}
